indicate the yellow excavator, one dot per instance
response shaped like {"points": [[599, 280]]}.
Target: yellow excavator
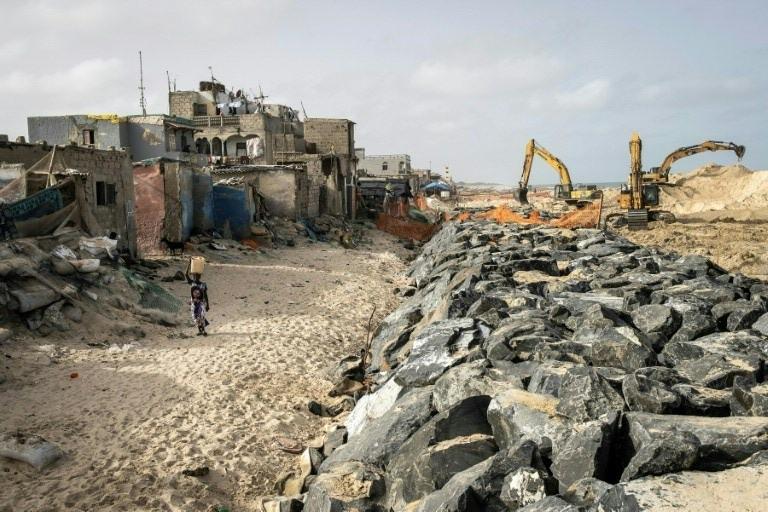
{"points": [[638, 197], [661, 174], [565, 189]]}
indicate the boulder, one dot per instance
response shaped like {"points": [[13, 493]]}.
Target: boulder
{"points": [[333, 440], [702, 401], [646, 394], [657, 318], [550, 504], [33, 295], [585, 492], [517, 337], [373, 405], [761, 324], [731, 489], [467, 380], [694, 324], [586, 453], [723, 441], [479, 487], [620, 347], [547, 377], [393, 332], [517, 416], [585, 395], [383, 436], [350, 485], [522, 487], [747, 400], [449, 443], [667, 452], [436, 349]]}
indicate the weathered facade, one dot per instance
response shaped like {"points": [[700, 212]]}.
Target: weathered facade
{"points": [[286, 190], [382, 165], [237, 130], [173, 200], [96, 183], [142, 137]]}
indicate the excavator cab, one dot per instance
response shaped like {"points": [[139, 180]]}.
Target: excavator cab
{"points": [[563, 191]]}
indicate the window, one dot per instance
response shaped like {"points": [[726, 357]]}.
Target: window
{"points": [[240, 149], [199, 109], [88, 137], [402, 166], [384, 166], [106, 194]]}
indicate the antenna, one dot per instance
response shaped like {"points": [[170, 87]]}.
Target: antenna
{"points": [[169, 80], [304, 110], [142, 100], [212, 78]]}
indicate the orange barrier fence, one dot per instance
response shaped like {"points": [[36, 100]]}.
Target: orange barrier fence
{"points": [[587, 216], [405, 227]]}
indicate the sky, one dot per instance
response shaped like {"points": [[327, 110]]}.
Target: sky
{"points": [[457, 84]]}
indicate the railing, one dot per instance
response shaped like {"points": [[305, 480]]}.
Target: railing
{"points": [[215, 121]]}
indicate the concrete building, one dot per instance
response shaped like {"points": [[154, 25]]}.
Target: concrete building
{"points": [[70, 185], [142, 137], [382, 165], [234, 129], [286, 191]]}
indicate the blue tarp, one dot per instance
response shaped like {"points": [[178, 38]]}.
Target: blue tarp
{"points": [[202, 190], [436, 185]]}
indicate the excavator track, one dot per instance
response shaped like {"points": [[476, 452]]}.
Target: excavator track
{"points": [[637, 219]]}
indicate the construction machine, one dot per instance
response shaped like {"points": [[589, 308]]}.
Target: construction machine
{"points": [[661, 174], [638, 197], [564, 190]]}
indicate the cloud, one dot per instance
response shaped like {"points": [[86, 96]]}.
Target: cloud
{"points": [[695, 90], [87, 77], [590, 96], [461, 78]]}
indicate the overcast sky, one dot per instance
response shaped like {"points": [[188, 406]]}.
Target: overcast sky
{"points": [[463, 84]]}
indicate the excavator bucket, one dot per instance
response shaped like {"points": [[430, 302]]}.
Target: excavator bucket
{"points": [[521, 194]]}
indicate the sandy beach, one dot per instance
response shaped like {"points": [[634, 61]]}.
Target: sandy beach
{"points": [[140, 410]]}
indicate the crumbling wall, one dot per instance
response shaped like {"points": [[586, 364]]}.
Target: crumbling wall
{"points": [[22, 153], [149, 188], [283, 192], [330, 135]]}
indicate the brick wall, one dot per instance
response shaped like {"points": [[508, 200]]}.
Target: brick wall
{"points": [[24, 154], [180, 103], [330, 133]]}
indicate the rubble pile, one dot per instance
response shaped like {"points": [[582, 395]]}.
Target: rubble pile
{"points": [[47, 284], [540, 369]]}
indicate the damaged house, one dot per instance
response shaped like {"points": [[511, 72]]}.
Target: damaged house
{"points": [[242, 194], [72, 187]]}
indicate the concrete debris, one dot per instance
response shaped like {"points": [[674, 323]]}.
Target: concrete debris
{"points": [[539, 369]]}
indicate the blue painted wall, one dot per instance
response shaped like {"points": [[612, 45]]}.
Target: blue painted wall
{"points": [[231, 204]]}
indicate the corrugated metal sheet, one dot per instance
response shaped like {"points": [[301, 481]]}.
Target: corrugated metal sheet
{"points": [[232, 207]]}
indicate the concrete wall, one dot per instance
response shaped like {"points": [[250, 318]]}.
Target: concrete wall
{"points": [[149, 188], [20, 153], [331, 134], [373, 165], [202, 192], [69, 129], [181, 103]]}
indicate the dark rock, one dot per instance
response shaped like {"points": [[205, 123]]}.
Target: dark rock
{"points": [[435, 349], [586, 492], [661, 453], [522, 487], [550, 504], [346, 486], [448, 444], [467, 380], [333, 440], [655, 318], [585, 395], [749, 400], [620, 347], [761, 325], [393, 333], [642, 393], [518, 336], [383, 436], [694, 324], [547, 377], [586, 453], [479, 487], [722, 441], [517, 416], [702, 401]]}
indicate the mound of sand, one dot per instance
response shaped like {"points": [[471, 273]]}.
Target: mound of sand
{"points": [[715, 192]]}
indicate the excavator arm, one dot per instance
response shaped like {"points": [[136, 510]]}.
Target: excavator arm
{"points": [[532, 149], [661, 173]]}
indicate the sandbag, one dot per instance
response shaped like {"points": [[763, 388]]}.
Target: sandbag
{"points": [[29, 448], [86, 266]]}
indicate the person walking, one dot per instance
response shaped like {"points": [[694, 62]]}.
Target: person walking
{"points": [[199, 302]]}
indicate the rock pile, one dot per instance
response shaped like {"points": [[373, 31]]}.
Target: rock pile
{"points": [[540, 369]]}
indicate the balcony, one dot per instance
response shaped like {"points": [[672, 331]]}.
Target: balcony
{"points": [[215, 121]]}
